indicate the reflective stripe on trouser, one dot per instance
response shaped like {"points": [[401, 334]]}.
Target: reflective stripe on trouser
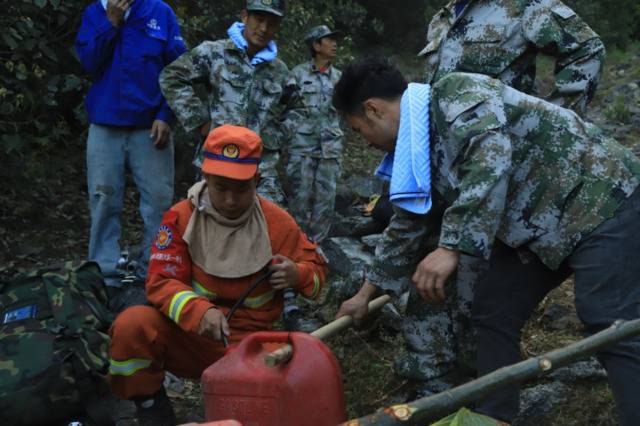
{"points": [[145, 343], [249, 302], [438, 335], [313, 192]]}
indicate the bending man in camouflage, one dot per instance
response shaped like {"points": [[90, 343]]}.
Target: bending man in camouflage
{"points": [[502, 39], [316, 146], [246, 86], [519, 182]]}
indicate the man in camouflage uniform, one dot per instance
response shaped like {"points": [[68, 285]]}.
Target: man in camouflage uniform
{"points": [[501, 39], [316, 146], [245, 82], [524, 184]]}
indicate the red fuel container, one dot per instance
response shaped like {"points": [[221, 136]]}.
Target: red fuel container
{"points": [[307, 390]]}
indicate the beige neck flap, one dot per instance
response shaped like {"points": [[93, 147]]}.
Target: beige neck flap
{"points": [[226, 248]]}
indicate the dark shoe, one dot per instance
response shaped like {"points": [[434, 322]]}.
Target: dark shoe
{"points": [[295, 320], [130, 294], [155, 410]]}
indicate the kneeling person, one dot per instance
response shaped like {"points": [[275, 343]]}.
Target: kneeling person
{"points": [[208, 250]]}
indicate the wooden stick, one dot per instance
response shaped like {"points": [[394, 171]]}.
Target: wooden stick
{"points": [[429, 409], [283, 354]]}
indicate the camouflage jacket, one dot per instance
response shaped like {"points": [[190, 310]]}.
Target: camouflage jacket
{"points": [[316, 123], [513, 167], [501, 38], [236, 92]]}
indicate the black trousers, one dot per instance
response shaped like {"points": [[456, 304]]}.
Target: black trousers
{"points": [[606, 264]]}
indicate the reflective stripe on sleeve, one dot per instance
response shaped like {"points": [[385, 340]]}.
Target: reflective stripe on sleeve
{"points": [[256, 302], [202, 291], [316, 286], [178, 302], [127, 367]]}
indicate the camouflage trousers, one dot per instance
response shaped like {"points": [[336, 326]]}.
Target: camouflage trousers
{"points": [[269, 186], [313, 192], [439, 337]]}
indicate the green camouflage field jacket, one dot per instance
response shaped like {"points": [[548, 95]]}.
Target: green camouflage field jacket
{"points": [[502, 38], [237, 92], [512, 167]]}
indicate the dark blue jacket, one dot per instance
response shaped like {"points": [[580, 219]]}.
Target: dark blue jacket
{"points": [[125, 63]]}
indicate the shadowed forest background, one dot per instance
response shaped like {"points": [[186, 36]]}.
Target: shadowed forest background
{"points": [[42, 85]]}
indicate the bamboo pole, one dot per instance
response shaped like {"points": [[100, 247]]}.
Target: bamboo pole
{"points": [[434, 407], [283, 354]]}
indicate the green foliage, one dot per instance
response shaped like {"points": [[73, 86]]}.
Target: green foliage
{"points": [[615, 21], [39, 81], [206, 20], [619, 111]]}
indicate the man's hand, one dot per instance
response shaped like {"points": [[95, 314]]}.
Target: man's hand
{"points": [[358, 305], [204, 129], [285, 273], [213, 324], [433, 271], [160, 133], [116, 10]]}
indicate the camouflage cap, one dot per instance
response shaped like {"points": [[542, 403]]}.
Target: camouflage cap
{"points": [[275, 7], [316, 33]]}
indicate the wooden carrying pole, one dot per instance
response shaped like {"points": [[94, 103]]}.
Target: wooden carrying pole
{"points": [[428, 409], [283, 354]]}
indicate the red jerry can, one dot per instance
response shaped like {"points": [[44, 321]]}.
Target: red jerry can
{"points": [[307, 390]]}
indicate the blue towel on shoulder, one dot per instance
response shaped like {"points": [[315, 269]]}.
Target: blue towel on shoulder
{"points": [[267, 54], [409, 167]]}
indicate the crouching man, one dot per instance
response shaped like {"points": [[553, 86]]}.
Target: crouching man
{"points": [[513, 179], [208, 250]]}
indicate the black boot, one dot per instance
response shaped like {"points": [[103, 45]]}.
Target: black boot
{"points": [[155, 410]]}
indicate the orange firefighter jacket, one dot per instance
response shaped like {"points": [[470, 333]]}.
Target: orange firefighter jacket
{"points": [[184, 292]]}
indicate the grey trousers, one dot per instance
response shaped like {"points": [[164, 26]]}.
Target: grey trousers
{"points": [[607, 288]]}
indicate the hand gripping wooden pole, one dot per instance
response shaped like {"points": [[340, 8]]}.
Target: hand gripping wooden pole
{"points": [[283, 354]]}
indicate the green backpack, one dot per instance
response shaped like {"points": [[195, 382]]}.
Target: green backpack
{"points": [[54, 352]]}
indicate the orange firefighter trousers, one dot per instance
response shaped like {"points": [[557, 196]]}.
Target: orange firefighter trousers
{"points": [[143, 336]]}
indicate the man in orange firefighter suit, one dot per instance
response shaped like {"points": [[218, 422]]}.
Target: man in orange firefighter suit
{"points": [[208, 250]]}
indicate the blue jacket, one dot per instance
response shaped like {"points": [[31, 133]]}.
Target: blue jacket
{"points": [[125, 62]]}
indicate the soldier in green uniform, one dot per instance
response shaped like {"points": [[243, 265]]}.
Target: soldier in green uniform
{"points": [[514, 180], [502, 39], [246, 85], [316, 146]]}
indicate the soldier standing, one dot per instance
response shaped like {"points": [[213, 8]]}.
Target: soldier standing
{"points": [[316, 146], [245, 82], [514, 180], [502, 39]]}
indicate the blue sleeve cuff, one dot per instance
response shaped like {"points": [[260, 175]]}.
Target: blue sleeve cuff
{"points": [[165, 114]]}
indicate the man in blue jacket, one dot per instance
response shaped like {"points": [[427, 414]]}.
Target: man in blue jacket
{"points": [[123, 45]]}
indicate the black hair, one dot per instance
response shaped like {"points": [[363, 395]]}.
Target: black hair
{"points": [[364, 79], [312, 50]]}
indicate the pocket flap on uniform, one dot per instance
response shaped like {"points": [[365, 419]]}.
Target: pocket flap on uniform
{"points": [[234, 79], [309, 88], [454, 110], [484, 33], [272, 87], [563, 11]]}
